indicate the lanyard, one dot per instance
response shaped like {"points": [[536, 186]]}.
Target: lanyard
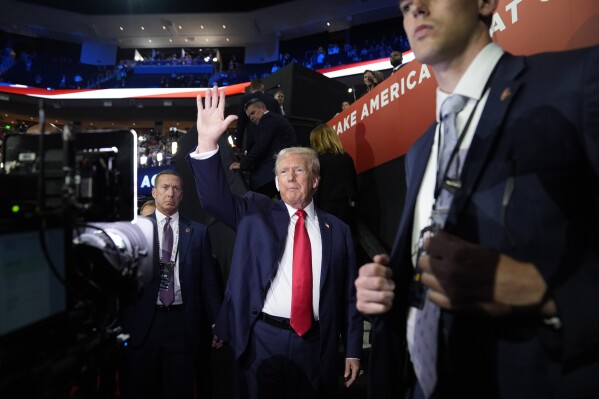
{"points": [[445, 181], [175, 250]]}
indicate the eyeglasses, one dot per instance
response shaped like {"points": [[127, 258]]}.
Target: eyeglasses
{"points": [[165, 187]]}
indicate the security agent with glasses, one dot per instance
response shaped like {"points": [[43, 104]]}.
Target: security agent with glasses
{"points": [[509, 201], [289, 302], [168, 322]]}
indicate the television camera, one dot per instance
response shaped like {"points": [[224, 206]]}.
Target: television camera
{"points": [[72, 251]]}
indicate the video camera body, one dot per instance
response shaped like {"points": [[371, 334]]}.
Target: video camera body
{"points": [[96, 172], [71, 249]]}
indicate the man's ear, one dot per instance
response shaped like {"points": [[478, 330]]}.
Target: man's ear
{"points": [[154, 192], [316, 183], [277, 183]]}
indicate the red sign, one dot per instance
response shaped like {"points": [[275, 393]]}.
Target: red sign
{"points": [[385, 122]]}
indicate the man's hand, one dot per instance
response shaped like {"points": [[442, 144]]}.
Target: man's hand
{"points": [[217, 343], [375, 286], [352, 370], [466, 276], [464, 272], [234, 166], [211, 123]]}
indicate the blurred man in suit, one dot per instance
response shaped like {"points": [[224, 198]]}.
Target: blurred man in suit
{"points": [[395, 59], [274, 133], [289, 301], [246, 131], [502, 194], [165, 324], [280, 97]]}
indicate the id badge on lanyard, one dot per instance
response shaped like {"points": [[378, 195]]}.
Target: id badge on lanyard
{"points": [[167, 269]]}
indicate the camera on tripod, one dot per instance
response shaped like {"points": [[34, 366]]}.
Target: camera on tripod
{"points": [[71, 251]]}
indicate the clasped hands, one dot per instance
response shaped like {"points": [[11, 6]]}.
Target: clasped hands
{"points": [[461, 276]]}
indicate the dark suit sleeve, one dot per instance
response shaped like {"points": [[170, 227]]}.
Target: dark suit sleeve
{"points": [[355, 324], [577, 289], [212, 282]]}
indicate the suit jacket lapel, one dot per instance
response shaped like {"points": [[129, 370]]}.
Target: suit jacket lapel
{"points": [[281, 222], [416, 169], [503, 91], [185, 232], [156, 278], [415, 166], [326, 237]]}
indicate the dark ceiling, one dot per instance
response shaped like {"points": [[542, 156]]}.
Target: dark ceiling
{"points": [[177, 23], [108, 7]]}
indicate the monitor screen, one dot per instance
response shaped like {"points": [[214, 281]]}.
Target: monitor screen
{"points": [[29, 291], [106, 161]]}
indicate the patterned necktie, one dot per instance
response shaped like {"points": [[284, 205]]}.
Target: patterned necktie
{"points": [[423, 352], [167, 297], [449, 109], [301, 288], [448, 167]]}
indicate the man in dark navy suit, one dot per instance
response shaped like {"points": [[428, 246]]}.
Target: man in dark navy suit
{"points": [[274, 133], [503, 236], [158, 362], [277, 357], [246, 131]]}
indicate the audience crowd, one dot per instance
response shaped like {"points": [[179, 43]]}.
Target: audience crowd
{"points": [[156, 148], [56, 65]]}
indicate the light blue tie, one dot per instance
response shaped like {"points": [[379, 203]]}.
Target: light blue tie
{"points": [[423, 352], [449, 109]]}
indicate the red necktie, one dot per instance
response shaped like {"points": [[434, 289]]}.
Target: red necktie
{"points": [[301, 288]]}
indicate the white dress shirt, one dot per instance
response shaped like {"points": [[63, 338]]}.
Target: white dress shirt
{"points": [[278, 297]]}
